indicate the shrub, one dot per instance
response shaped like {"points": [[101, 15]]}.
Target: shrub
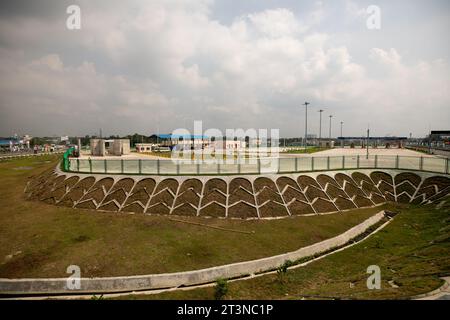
{"points": [[221, 289]]}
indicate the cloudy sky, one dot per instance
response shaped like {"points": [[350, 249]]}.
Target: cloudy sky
{"points": [[153, 66]]}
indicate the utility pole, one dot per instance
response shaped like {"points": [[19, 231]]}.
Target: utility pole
{"points": [[329, 134], [306, 122], [367, 145], [320, 125], [342, 140]]}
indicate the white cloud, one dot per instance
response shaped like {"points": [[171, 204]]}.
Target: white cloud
{"points": [[164, 62]]}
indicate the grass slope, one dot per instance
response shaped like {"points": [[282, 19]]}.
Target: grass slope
{"points": [[413, 251], [41, 240]]}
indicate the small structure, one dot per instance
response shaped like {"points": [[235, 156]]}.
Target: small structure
{"points": [[113, 147], [144, 147]]}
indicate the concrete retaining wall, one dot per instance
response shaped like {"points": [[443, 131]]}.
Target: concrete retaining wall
{"points": [[188, 278]]}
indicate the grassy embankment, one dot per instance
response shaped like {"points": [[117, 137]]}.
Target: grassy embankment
{"points": [[41, 240]]}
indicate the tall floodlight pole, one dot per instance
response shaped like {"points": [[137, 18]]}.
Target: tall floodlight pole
{"points": [[329, 134], [367, 145], [320, 125], [306, 121], [342, 139]]}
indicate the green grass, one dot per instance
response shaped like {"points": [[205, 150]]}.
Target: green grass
{"points": [[41, 240], [309, 150], [413, 251]]}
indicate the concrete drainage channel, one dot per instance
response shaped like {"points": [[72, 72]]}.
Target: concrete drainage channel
{"points": [[155, 283]]}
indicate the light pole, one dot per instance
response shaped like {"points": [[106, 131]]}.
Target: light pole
{"points": [[329, 137], [342, 139], [320, 125], [367, 145], [306, 121]]}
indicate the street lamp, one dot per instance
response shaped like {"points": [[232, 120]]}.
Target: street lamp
{"points": [[330, 130], [306, 122], [320, 125], [342, 139]]}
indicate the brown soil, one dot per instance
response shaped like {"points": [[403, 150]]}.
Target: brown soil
{"points": [[193, 184], [170, 184], [323, 179], [214, 196], [305, 181], [268, 194], [408, 176], [272, 209], [440, 182], [405, 187], [240, 194], [188, 196], [260, 183], [362, 202], [215, 183], [158, 209], [299, 208], [285, 181], [340, 178], [344, 203], [378, 176], [291, 193], [314, 192], [185, 210], [213, 210], [242, 210], [322, 206], [240, 182]]}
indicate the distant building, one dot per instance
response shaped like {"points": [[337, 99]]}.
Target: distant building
{"points": [[144, 147], [113, 147], [382, 142]]}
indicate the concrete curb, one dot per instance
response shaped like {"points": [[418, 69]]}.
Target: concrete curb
{"points": [[177, 279]]}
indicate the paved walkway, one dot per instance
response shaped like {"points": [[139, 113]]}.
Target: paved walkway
{"points": [[443, 293]]}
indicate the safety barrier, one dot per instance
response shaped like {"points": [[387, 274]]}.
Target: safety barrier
{"points": [[254, 166]]}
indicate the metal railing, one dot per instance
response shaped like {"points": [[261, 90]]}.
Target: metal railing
{"points": [[255, 166]]}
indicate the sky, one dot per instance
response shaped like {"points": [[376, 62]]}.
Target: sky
{"points": [[155, 66]]}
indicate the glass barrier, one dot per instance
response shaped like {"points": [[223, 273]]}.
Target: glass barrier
{"points": [[254, 166]]}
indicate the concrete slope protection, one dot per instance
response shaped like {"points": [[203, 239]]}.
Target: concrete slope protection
{"points": [[243, 197]]}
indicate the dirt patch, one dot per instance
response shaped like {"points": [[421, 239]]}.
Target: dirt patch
{"points": [[334, 192], [299, 208], [408, 176], [262, 183], [323, 179], [313, 193], [362, 202], [344, 203], [322, 206], [170, 184], [285, 181], [242, 210], [272, 209], [292, 193], [341, 178], [213, 210], [188, 196], [214, 196], [237, 183], [185, 210], [405, 187], [192, 184], [213, 184], [378, 176], [241, 194], [268, 195], [305, 181]]}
